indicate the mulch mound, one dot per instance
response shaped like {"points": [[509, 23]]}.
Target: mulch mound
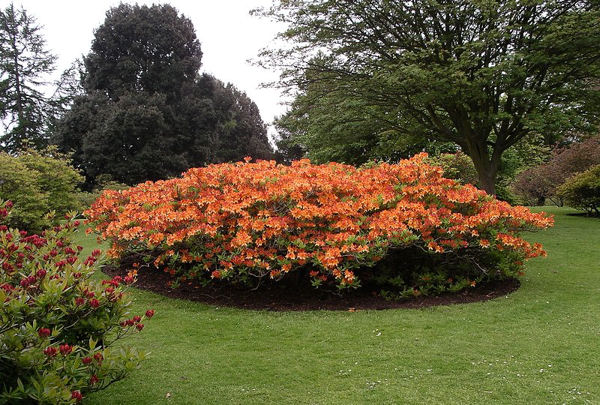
{"points": [[304, 298]]}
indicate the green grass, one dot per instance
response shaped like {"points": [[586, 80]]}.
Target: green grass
{"points": [[540, 344]]}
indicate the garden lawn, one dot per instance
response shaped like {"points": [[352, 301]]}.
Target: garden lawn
{"points": [[540, 344]]}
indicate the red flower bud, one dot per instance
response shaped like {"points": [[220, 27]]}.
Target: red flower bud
{"points": [[137, 318], [139, 326], [94, 303], [41, 273], [44, 332], [6, 266], [79, 301], [76, 395], [93, 379], [50, 351], [7, 287], [98, 356], [149, 313], [96, 252], [86, 360], [65, 349]]}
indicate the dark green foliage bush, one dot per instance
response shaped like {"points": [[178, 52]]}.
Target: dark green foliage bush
{"points": [[583, 191], [38, 182], [414, 272]]}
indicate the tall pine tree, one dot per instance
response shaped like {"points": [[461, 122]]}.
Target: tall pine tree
{"points": [[24, 62]]}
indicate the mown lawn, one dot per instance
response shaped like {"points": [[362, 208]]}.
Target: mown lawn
{"points": [[540, 344]]}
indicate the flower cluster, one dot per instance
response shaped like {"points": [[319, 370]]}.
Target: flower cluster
{"points": [[55, 318], [263, 220]]}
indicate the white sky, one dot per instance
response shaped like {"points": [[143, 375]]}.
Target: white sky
{"points": [[229, 36]]}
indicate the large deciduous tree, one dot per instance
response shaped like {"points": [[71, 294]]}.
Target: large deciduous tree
{"points": [[482, 74], [23, 63], [146, 113]]}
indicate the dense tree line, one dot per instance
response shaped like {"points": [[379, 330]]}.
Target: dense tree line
{"points": [[375, 78], [136, 107]]}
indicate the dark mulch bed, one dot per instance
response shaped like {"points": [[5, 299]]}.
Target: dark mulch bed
{"points": [[304, 298]]}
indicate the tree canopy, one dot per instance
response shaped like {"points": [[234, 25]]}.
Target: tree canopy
{"points": [[483, 75], [140, 48], [146, 113]]}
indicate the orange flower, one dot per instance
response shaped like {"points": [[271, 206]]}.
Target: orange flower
{"points": [[241, 217]]}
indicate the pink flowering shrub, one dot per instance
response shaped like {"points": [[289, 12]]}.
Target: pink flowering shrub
{"points": [[58, 325]]}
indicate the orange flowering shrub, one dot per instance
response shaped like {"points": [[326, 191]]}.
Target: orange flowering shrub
{"points": [[250, 222]]}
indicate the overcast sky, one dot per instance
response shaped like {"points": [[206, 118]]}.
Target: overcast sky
{"points": [[228, 34]]}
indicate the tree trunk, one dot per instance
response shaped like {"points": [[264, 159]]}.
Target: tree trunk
{"points": [[487, 180], [486, 166]]}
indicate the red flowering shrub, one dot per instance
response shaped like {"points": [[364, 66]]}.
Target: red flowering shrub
{"points": [[250, 222], [58, 324], [539, 183]]}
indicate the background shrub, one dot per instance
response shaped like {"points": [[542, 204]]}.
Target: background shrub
{"points": [[58, 325], [103, 182], [457, 166], [583, 191], [253, 222], [540, 182], [38, 182]]}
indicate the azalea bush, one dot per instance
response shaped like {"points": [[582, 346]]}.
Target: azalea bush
{"points": [[58, 325], [251, 223]]}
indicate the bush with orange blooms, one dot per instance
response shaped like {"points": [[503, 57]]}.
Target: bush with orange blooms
{"points": [[252, 222]]}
